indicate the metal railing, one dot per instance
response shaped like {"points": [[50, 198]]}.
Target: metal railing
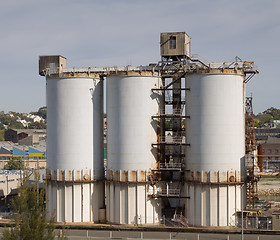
{"points": [[172, 139], [179, 218], [256, 223], [175, 111], [170, 165], [169, 192]]}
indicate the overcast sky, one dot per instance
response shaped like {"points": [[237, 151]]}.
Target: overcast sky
{"points": [[126, 32]]}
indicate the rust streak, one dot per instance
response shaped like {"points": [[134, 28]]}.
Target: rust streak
{"points": [[134, 175], [198, 176]]}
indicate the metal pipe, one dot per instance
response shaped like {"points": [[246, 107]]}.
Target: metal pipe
{"points": [[242, 237]]}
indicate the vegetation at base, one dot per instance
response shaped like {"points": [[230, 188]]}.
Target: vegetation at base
{"points": [[15, 163], [31, 220]]}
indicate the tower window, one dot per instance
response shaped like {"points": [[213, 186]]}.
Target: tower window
{"points": [[172, 42]]}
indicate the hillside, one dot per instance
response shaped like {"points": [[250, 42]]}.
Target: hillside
{"points": [[32, 120], [267, 117]]}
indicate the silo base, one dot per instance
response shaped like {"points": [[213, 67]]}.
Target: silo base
{"points": [[212, 204], [75, 200], [130, 203]]}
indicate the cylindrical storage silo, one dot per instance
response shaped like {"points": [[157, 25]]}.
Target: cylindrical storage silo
{"points": [[75, 147], [215, 156], [131, 131]]}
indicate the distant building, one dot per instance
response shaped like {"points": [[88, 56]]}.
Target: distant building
{"points": [[33, 156], [25, 136], [23, 122], [276, 220], [276, 122], [271, 147], [264, 133], [14, 135], [270, 125], [5, 153], [270, 150], [35, 118]]}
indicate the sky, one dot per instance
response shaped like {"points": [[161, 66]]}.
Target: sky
{"points": [[126, 32]]}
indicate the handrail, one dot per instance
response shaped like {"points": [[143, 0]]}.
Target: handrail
{"points": [[177, 111], [169, 192], [172, 139], [170, 165]]}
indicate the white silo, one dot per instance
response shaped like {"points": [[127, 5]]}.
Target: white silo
{"points": [[214, 159], [75, 146], [131, 131]]}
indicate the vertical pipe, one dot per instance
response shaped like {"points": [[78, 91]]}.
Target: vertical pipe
{"points": [[242, 237], [260, 158], [146, 201], [82, 200], [90, 202], [73, 200], [227, 205], [210, 204], [136, 201], [235, 203], [218, 206], [65, 205]]}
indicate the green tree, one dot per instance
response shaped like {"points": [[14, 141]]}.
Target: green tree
{"points": [[42, 112], [15, 163], [274, 112], [264, 118], [37, 125], [257, 124], [31, 219], [2, 132]]}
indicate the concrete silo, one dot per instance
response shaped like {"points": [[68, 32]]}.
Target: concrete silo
{"points": [[215, 156], [74, 142], [130, 134], [175, 139]]}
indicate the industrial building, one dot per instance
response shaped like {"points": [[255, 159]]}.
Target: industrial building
{"points": [[175, 139], [32, 156]]}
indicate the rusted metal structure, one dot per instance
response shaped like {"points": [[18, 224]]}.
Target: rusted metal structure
{"points": [[251, 151], [210, 174], [250, 135], [260, 157]]}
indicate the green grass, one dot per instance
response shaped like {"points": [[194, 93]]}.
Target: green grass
{"points": [[269, 178]]}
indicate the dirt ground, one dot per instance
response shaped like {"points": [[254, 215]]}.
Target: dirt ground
{"points": [[269, 185]]}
